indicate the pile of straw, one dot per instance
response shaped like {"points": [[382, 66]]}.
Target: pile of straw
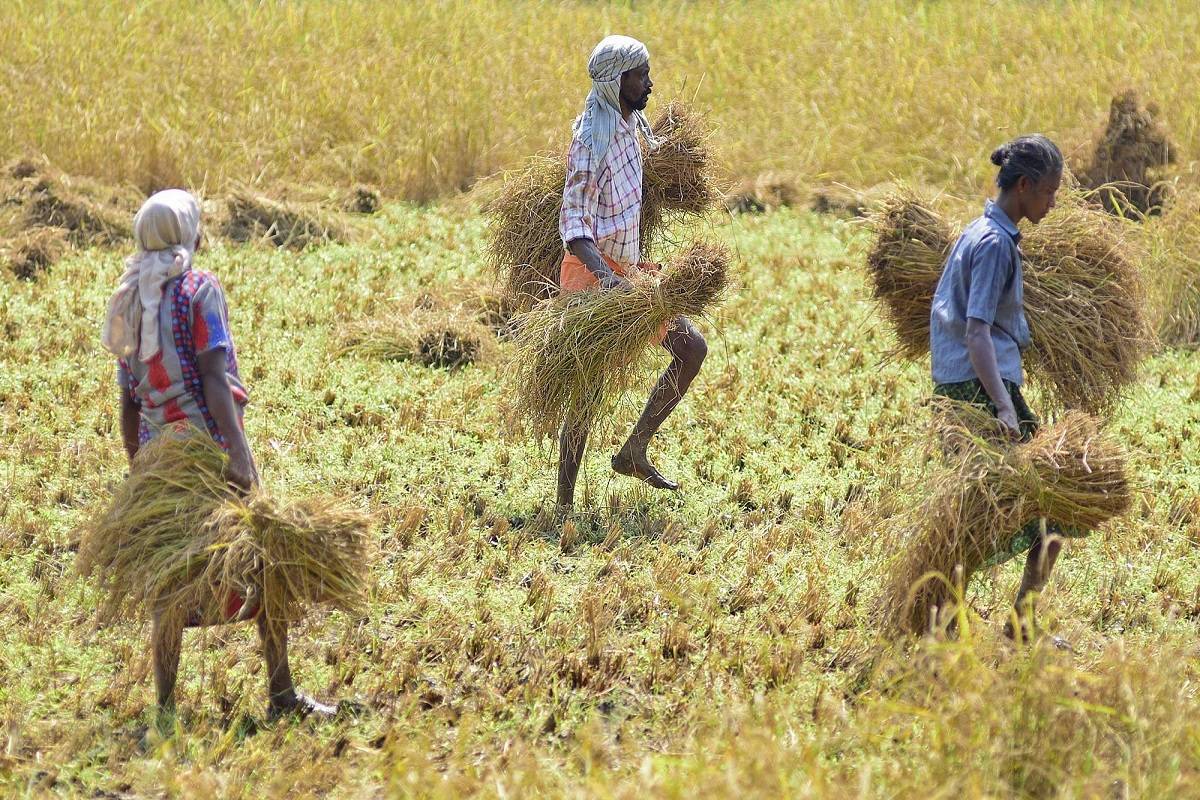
{"points": [[423, 332], [525, 250], [177, 538], [295, 224], [1070, 473], [33, 251], [1084, 296], [577, 353], [1129, 157]]}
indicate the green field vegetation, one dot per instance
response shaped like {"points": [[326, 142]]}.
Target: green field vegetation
{"points": [[718, 642], [423, 99]]}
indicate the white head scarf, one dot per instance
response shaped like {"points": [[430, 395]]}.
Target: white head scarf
{"points": [[597, 125], [165, 230]]}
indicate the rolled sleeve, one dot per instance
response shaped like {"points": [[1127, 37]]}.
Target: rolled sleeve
{"points": [[991, 269], [580, 196]]}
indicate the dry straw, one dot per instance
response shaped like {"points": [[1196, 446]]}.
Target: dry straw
{"points": [[253, 217], [424, 331], [177, 538], [525, 249], [1174, 270], [1070, 473], [1084, 296], [577, 353], [1129, 158]]}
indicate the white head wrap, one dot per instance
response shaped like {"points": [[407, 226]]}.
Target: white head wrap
{"points": [[165, 229], [597, 125]]}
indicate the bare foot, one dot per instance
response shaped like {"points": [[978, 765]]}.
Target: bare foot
{"points": [[639, 466], [301, 706]]}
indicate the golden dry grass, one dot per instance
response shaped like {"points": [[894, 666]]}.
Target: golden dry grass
{"points": [[423, 100]]}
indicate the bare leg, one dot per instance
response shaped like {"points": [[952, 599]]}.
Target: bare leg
{"points": [[166, 638], [1038, 565], [688, 351], [571, 444], [282, 692]]}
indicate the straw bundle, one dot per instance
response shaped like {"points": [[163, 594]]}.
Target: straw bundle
{"points": [[1084, 297], [295, 224], [428, 334], [178, 538], [1174, 270], [1129, 157], [577, 353], [1070, 473], [525, 249]]}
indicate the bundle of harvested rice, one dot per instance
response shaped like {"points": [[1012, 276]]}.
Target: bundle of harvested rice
{"points": [[91, 214], [1084, 296], [295, 224], [362, 199], [1129, 157], [525, 250], [577, 353], [178, 539], [768, 191], [32, 252], [1070, 473], [426, 332]]}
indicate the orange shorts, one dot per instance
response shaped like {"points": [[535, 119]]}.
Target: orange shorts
{"points": [[574, 276]]}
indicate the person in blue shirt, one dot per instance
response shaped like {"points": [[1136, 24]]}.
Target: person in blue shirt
{"points": [[978, 328]]}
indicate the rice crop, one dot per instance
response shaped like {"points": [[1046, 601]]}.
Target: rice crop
{"points": [[178, 538], [577, 353], [1085, 299], [1071, 473]]}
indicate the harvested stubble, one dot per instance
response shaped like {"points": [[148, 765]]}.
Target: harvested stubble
{"points": [[253, 217], [178, 539], [525, 249], [1070, 473], [425, 332], [1130, 154], [577, 353], [1084, 296]]}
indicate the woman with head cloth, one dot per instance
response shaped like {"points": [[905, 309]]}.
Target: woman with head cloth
{"points": [[168, 326]]}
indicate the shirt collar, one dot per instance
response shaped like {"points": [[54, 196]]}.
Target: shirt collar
{"points": [[997, 215]]}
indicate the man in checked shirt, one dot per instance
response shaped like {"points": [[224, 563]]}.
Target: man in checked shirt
{"points": [[601, 212]]}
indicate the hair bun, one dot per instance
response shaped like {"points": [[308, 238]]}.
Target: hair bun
{"points": [[1000, 154]]}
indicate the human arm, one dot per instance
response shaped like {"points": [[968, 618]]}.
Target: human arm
{"points": [[982, 353], [577, 219], [130, 417], [219, 398]]}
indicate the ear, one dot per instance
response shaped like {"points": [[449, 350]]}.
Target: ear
{"points": [[1024, 184]]}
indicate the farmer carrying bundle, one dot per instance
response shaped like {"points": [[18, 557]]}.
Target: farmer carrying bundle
{"points": [[190, 537], [1082, 326], [600, 226], [524, 248], [978, 327]]}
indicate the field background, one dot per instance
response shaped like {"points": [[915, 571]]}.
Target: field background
{"points": [[427, 98], [721, 642]]}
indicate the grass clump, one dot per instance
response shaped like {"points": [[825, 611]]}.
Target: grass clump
{"points": [[578, 352], [30, 253], [295, 224], [525, 250], [426, 331], [1070, 473], [177, 537], [1084, 296]]}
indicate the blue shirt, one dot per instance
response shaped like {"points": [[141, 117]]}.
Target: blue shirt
{"points": [[981, 280]]}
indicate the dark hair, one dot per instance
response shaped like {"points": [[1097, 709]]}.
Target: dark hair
{"points": [[1033, 156]]}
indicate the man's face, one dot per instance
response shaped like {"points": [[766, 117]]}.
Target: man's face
{"points": [[1038, 198], [635, 87]]}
